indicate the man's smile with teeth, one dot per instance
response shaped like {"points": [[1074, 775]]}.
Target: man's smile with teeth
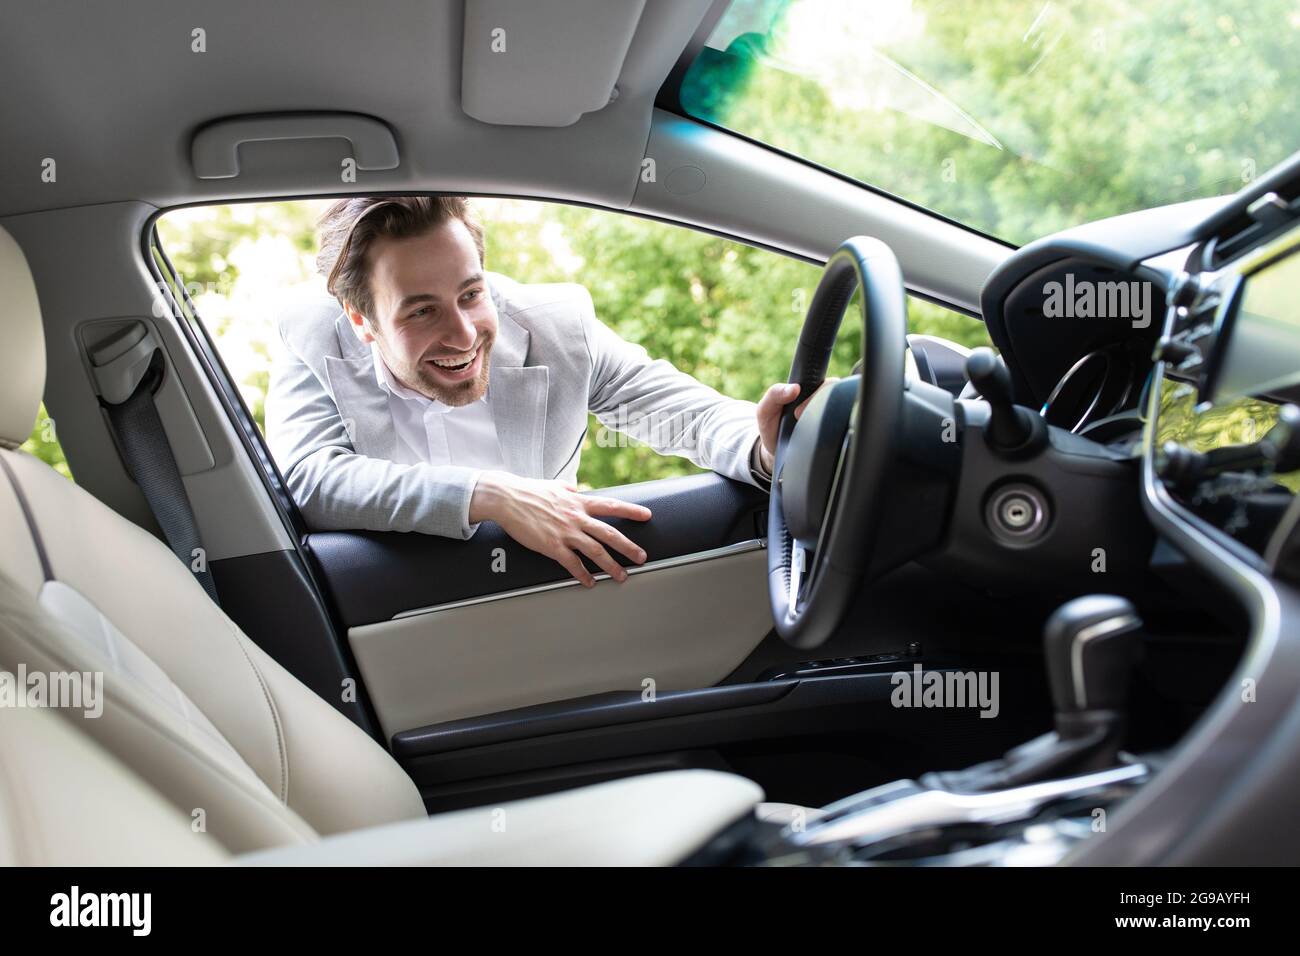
{"points": [[456, 362]]}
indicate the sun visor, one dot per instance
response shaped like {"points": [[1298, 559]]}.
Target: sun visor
{"points": [[544, 64]]}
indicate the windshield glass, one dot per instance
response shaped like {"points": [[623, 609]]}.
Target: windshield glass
{"points": [[1015, 118]]}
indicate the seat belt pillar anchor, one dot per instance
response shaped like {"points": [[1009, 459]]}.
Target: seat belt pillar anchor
{"points": [[121, 361]]}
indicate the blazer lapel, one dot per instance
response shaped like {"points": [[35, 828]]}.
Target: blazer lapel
{"points": [[517, 393], [362, 404]]}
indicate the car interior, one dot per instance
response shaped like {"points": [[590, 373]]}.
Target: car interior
{"points": [[1072, 531]]}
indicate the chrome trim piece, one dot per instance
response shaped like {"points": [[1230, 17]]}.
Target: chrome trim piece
{"points": [[1092, 404], [1100, 629], [904, 807], [1041, 844], [740, 547], [798, 561], [1038, 514]]}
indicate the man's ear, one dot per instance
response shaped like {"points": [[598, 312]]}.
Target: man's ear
{"points": [[359, 324]]}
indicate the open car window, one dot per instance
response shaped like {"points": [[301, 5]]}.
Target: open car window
{"points": [[1016, 118], [727, 313]]}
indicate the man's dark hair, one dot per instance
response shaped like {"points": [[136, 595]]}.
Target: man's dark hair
{"points": [[349, 227]]}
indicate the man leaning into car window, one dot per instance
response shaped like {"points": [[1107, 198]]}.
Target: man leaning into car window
{"points": [[441, 395]]}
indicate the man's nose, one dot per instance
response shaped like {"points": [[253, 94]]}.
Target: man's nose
{"points": [[462, 333]]}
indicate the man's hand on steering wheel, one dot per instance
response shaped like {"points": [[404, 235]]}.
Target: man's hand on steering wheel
{"points": [[769, 416]]}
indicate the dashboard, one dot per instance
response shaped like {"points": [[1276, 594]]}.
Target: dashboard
{"points": [[1198, 382], [1174, 332]]}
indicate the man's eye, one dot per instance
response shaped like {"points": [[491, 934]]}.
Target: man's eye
{"points": [[419, 313], [472, 294]]}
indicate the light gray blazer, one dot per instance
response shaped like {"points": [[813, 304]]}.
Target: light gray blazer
{"points": [[332, 435]]}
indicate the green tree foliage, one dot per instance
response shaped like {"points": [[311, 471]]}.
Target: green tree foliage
{"points": [[1056, 113], [1238, 421], [44, 444], [239, 263]]}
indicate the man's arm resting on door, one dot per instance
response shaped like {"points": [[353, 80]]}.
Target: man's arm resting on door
{"points": [[339, 490]]}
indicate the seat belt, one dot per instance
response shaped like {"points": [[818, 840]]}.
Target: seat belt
{"points": [[129, 369]]}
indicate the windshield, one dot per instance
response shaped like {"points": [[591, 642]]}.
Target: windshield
{"points": [[1015, 118]]}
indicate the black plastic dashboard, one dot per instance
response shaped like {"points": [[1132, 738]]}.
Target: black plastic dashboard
{"points": [[1040, 348], [1099, 290]]}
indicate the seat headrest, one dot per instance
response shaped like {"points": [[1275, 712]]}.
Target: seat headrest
{"points": [[22, 345]]}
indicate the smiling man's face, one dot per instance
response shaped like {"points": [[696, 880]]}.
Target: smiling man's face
{"points": [[434, 321]]}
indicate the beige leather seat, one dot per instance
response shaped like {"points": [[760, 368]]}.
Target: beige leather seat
{"points": [[205, 746]]}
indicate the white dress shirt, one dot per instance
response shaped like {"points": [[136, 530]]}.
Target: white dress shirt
{"points": [[437, 434]]}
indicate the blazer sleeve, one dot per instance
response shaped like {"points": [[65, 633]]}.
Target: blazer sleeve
{"points": [[653, 402], [337, 489]]}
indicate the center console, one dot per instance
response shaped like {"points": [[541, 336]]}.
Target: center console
{"points": [[1033, 805]]}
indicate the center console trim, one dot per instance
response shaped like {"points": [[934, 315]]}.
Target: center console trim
{"points": [[920, 808], [1161, 823]]}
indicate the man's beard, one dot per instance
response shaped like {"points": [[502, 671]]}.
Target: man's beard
{"points": [[425, 381]]}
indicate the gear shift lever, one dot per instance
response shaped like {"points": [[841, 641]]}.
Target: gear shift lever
{"points": [[1092, 645]]}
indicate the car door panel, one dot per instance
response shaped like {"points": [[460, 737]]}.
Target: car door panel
{"points": [[680, 625], [443, 629]]}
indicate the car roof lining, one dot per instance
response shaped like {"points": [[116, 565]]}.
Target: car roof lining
{"points": [[117, 109]]}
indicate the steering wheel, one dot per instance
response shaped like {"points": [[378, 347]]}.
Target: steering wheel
{"points": [[831, 475]]}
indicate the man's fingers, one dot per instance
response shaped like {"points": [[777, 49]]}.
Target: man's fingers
{"points": [[804, 404], [612, 507], [592, 549], [573, 564], [777, 396], [613, 538]]}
